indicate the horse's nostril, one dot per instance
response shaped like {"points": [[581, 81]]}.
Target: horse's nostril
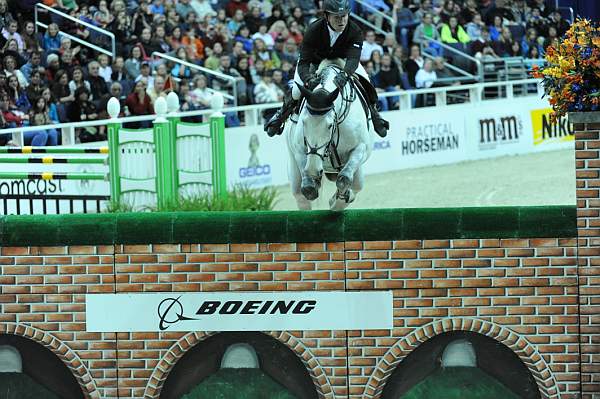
{"points": [[321, 173]]}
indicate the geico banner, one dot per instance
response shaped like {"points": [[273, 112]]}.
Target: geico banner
{"points": [[254, 159], [418, 138], [230, 311]]}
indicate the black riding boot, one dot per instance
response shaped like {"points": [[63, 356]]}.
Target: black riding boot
{"points": [[275, 124], [381, 125]]}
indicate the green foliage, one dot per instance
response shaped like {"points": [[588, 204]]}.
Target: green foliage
{"points": [[238, 384], [241, 198], [459, 383], [21, 386]]}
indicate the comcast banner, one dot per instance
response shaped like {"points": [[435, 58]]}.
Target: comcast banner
{"points": [[224, 311]]}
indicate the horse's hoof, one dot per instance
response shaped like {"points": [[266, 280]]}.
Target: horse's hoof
{"points": [[343, 183], [310, 192]]}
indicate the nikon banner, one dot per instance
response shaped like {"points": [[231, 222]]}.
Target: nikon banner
{"points": [[248, 311]]}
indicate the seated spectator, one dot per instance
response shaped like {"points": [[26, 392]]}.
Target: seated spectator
{"points": [[227, 85], [157, 89], [496, 28], [181, 71], [118, 70], [263, 35], [237, 52], [60, 88], [290, 51], [405, 22], [279, 31], [235, 5], [504, 43], [52, 66], [557, 21], [543, 7], [276, 15], [468, 13], [200, 95], [10, 69], [254, 19], [425, 7], [157, 6], [413, 64], [425, 32], [269, 57], [139, 103], [34, 64], [537, 21], [243, 67], [531, 40], [484, 46], [520, 11], [39, 117], [11, 49], [278, 79], [11, 32], [116, 91], [453, 33], [134, 63], [213, 57], [67, 62], [388, 80], [448, 10], [296, 30], [105, 70], [203, 8], [442, 72], [236, 22], [98, 86], [515, 50], [160, 39], [83, 110], [243, 36], [52, 37], [474, 27], [51, 105], [369, 45], [183, 8], [425, 78], [267, 92], [35, 87], [78, 80], [194, 46], [176, 37], [551, 36], [19, 103], [376, 60], [11, 118], [147, 45], [121, 26], [32, 42]]}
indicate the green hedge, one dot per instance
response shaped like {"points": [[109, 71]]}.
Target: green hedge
{"points": [[21, 386], [459, 383], [239, 384], [314, 226]]}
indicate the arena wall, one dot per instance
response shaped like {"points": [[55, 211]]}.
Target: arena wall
{"points": [[526, 277]]}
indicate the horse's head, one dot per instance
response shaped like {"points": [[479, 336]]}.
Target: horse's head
{"points": [[318, 123]]}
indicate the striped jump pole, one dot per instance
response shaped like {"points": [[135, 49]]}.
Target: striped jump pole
{"points": [[53, 176], [53, 160], [53, 150]]}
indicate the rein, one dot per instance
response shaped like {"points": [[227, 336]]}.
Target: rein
{"points": [[348, 96]]}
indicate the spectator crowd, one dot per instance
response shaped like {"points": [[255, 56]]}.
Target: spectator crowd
{"points": [[48, 76]]}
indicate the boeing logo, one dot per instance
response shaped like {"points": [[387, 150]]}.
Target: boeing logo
{"points": [[170, 311]]}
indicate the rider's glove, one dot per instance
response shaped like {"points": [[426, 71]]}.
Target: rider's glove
{"points": [[340, 80], [312, 83]]}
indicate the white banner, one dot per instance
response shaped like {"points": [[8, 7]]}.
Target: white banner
{"points": [[255, 159], [239, 311]]}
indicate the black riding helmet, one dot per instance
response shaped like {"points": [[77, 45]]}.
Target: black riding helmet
{"points": [[336, 7]]}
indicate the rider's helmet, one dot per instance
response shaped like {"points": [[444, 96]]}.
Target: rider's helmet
{"points": [[336, 7]]}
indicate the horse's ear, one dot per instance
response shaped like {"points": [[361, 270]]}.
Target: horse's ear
{"points": [[305, 92], [333, 95]]}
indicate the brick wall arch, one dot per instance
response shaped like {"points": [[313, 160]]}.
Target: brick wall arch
{"points": [[60, 349], [534, 362], [185, 343]]}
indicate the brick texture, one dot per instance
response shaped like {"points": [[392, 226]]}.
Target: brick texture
{"points": [[587, 164], [522, 292]]}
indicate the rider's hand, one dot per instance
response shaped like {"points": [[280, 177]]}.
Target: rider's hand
{"points": [[312, 83], [340, 79]]}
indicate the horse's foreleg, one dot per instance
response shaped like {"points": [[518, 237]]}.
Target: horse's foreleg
{"points": [[295, 171], [345, 178]]}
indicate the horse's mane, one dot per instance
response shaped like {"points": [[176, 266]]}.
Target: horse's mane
{"points": [[325, 63]]}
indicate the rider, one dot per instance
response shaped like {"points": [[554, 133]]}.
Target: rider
{"points": [[332, 36]]}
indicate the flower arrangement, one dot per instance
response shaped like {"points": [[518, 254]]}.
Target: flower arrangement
{"points": [[572, 77]]}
